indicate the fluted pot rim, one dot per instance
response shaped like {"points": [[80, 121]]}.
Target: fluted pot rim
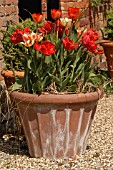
{"points": [[10, 73], [57, 98], [106, 43]]}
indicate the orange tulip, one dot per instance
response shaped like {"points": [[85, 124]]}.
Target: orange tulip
{"points": [[56, 13], [73, 13], [37, 17]]}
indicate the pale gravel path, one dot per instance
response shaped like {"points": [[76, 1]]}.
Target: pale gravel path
{"points": [[99, 154]]}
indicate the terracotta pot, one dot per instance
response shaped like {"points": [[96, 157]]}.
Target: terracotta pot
{"points": [[108, 50], [9, 79], [56, 126], [9, 76]]}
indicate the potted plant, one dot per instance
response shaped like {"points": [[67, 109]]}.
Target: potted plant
{"points": [[12, 56], [58, 95], [107, 41]]}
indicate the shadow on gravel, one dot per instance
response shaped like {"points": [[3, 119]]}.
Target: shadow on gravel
{"points": [[13, 145]]}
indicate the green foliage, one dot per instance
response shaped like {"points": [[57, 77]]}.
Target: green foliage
{"points": [[13, 53], [108, 30], [108, 82], [67, 70], [95, 3]]}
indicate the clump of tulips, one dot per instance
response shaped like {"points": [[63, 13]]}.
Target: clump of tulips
{"points": [[57, 55]]}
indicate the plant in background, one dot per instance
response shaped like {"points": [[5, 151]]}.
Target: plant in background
{"points": [[56, 56], [12, 55], [108, 30], [95, 3]]}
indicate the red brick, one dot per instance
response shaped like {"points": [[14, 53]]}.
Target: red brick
{"points": [[11, 2], [2, 11], [2, 2], [44, 7], [84, 21], [43, 1], [10, 9], [14, 18], [1, 22]]}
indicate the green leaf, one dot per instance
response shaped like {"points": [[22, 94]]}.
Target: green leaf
{"points": [[65, 68], [64, 83], [55, 79], [73, 34], [32, 67], [15, 86], [73, 67], [29, 63], [39, 70], [78, 71], [48, 59], [46, 82], [37, 88], [52, 37], [92, 75], [72, 88], [58, 45]]}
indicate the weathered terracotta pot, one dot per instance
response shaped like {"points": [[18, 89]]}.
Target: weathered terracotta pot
{"points": [[56, 126], [108, 50], [9, 76]]}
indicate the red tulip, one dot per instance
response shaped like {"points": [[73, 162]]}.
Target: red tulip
{"points": [[37, 46], [88, 40], [93, 35], [91, 46], [68, 44], [56, 13], [73, 13], [46, 28], [85, 39], [100, 52], [37, 18], [60, 28], [47, 48], [16, 36]]}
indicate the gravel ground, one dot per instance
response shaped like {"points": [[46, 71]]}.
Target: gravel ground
{"points": [[99, 154]]}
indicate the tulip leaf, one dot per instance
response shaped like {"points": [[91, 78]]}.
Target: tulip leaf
{"points": [[48, 59], [58, 45], [46, 82], [64, 83], [78, 71], [36, 87], [55, 79], [15, 86], [74, 35], [72, 88], [66, 68]]}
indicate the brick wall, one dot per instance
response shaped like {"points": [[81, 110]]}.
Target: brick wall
{"points": [[94, 17], [8, 11]]}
